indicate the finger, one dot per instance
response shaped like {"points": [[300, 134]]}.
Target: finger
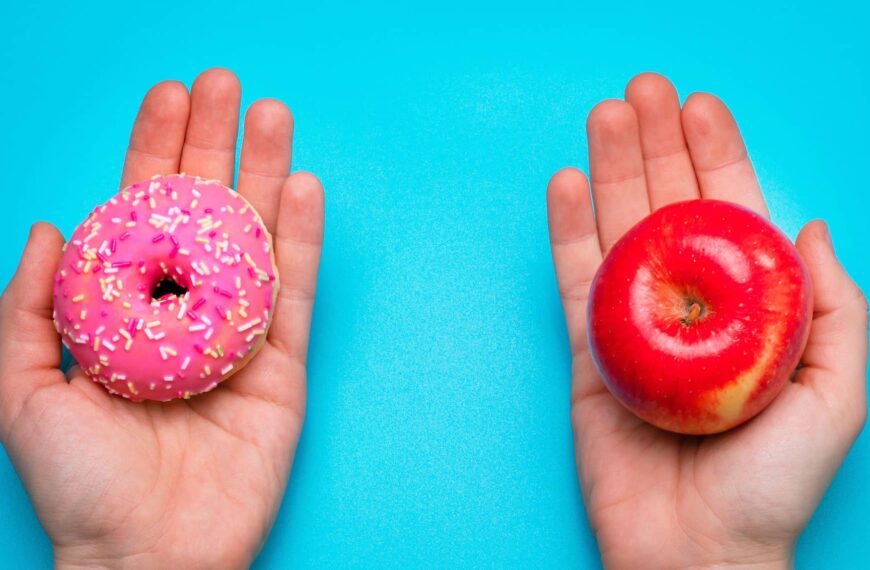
{"points": [[158, 133], [835, 359], [574, 242], [667, 164], [298, 241], [29, 343], [210, 143], [265, 161], [718, 153], [616, 166]]}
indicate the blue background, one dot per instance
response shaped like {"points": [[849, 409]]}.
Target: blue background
{"points": [[438, 428]]}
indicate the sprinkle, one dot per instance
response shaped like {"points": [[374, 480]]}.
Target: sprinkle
{"points": [[206, 320], [78, 298], [196, 328], [193, 316], [159, 336], [157, 238], [226, 369], [133, 216], [208, 334], [152, 324], [109, 346], [113, 245], [221, 312], [249, 324], [122, 264], [198, 348], [185, 363], [174, 240], [199, 303], [96, 343], [181, 310], [238, 282], [124, 236], [82, 316], [127, 336]]}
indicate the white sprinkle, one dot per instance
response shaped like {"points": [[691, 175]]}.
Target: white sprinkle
{"points": [[208, 334], [196, 328], [249, 324], [226, 369], [185, 363]]}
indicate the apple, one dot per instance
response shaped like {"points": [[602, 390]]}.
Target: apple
{"points": [[699, 315]]}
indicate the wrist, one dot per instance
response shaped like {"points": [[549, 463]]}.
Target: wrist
{"points": [[190, 556], [696, 555]]}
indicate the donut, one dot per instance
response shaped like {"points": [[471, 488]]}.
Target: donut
{"points": [[167, 289]]}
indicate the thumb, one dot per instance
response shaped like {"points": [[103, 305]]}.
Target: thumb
{"points": [[835, 360], [28, 340]]}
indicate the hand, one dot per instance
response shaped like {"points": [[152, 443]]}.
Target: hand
{"points": [[185, 484], [657, 499]]}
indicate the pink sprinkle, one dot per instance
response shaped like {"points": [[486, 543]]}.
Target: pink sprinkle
{"points": [[231, 355], [271, 277], [104, 313], [74, 268], [102, 257], [97, 269], [157, 238], [135, 186], [131, 326], [198, 348], [140, 287], [141, 264], [199, 304], [220, 311], [212, 233], [193, 316], [124, 236], [251, 272], [257, 232], [185, 212], [225, 293], [174, 240], [209, 210], [173, 252], [180, 374], [69, 316], [113, 245], [133, 216], [122, 264]]}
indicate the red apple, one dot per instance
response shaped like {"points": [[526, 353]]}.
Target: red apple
{"points": [[698, 316]]}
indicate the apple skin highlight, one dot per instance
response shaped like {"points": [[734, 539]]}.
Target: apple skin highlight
{"points": [[698, 316]]}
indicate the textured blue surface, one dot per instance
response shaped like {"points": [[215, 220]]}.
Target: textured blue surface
{"points": [[437, 428]]}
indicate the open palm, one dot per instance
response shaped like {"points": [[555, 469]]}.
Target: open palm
{"points": [[657, 499], [184, 484]]}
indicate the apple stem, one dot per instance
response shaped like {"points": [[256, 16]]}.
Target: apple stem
{"points": [[694, 313]]}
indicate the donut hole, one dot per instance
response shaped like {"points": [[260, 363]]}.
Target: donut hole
{"points": [[167, 287]]}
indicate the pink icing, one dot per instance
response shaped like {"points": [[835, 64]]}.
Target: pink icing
{"points": [[208, 240]]}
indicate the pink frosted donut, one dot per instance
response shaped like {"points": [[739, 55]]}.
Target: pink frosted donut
{"points": [[166, 289]]}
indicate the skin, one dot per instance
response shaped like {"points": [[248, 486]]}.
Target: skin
{"points": [[185, 484], [660, 500]]}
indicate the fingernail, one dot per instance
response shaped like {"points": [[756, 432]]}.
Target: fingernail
{"points": [[827, 234]]}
